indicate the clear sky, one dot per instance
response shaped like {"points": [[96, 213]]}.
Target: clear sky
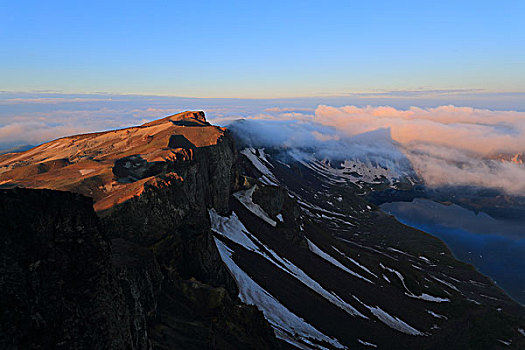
{"points": [[261, 48]]}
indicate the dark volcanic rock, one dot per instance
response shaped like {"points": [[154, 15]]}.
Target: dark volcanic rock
{"points": [[276, 200], [64, 285], [171, 215], [160, 282], [140, 279], [57, 287], [195, 315]]}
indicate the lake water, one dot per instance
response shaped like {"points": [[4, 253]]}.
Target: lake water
{"points": [[495, 247]]}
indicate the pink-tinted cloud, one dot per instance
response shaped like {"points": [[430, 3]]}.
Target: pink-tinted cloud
{"points": [[446, 145], [476, 130]]}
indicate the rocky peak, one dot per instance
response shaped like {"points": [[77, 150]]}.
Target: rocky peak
{"points": [[115, 166], [188, 118], [159, 276]]}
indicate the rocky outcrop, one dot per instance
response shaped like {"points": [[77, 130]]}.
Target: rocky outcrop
{"points": [[277, 201], [171, 215], [140, 279], [148, 273], [196, 315], [57, 286], [377, 265], [114, 166]]}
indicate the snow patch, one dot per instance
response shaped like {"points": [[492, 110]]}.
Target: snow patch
{"points": [[474, 301], [428, 297], [267, 176], [319, 252], [425, 259], [399, 251], [322, 210], [448, 284], [354, 262], [235, 231], [245, 197], [394, 322], [280, 318], [262, 156], [398, 274], [423, 296], [436, 315], [507, 343], [355, 170], [391, 321], [366, 343]]}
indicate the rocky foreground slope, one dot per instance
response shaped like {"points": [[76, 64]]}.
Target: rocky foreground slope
{"points": [[145, 272], [186, 243]]}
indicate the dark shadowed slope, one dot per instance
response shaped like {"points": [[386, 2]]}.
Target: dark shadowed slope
{"points": [[201, 246]]}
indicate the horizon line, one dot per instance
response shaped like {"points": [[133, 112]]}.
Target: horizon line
{"points": [[378, 93]]}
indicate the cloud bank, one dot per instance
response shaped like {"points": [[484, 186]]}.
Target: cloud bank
{"points": [[476, 130], [445, 145]]}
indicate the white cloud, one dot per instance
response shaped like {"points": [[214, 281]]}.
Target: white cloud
{"points": [[445, 144]]}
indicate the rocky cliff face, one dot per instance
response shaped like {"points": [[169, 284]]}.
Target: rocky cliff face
{"points": [[115, 166], [155, 277], [57, 289], [170, 216], [140, 280], [186, 244], [310, 251]]}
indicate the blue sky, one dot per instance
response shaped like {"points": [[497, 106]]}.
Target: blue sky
{"points": [[261, 49]]}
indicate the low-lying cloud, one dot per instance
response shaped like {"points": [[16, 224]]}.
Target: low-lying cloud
{"points": [[445, 145], [476, 130]]}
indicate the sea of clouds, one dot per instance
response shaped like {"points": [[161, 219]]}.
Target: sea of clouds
{"points": [[444, 144]]}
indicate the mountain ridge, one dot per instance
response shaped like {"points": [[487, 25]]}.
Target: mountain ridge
{"points": [[218, 246], [111, 166]]}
